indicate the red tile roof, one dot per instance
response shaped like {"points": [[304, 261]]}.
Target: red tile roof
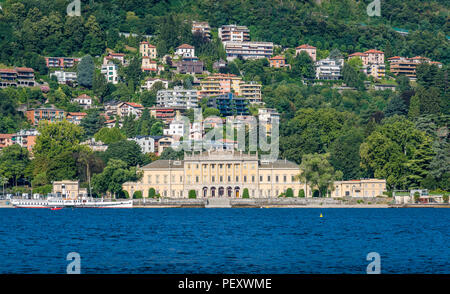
{"points": [[8, 70], [374, 51], [84, 96], [185, 46], [24, 69], [134, 104], [357, 54], [278, 57], [305, 46], [76, 114]]}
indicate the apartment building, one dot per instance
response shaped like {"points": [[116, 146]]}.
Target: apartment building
{"points": [[329, 69], [201, 27], [61, 62], [148, 50], [229, 104], [234, 33], [267, 116], [217, 84], [248, 50], [17, 77], [251, 91], [166, 114], [111, 72], [49, 114], [407, 66], [177, 97], [64, 77], [26, 138], [311, 50]]}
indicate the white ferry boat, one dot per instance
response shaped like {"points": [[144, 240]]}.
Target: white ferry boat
{"points": [[58, 202]]}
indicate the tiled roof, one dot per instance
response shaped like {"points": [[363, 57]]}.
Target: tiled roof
{"points": [[305, 46], [278, 57], [77, 114], [185, 46], [374, 51]]}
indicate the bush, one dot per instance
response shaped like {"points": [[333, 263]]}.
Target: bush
{"points": [[301, 193], [289, 192], [445, 198], [192, 194], [151, 193], [137, 195], [245, 194], [416, 197], [124, 194]]}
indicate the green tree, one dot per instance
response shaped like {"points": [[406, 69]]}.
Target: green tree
{"points": [[109, 135], [151, 193], [13, 162], [192, 194], [301, 193], [245, 194], [393, 150], [92, 123], [85, 71], [137, 195], [316, 171], [127, 151], [113, 176], [289, 192]]}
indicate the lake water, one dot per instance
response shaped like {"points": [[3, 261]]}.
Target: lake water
{"points": [[230, 241]]}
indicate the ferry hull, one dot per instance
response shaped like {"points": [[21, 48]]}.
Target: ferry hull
{"points": [[71, 204]]}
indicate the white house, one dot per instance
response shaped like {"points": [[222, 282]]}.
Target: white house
{"points": [[152, 81], [129, 108], [185, 50], [64, 76], [83, 100], [110, 71]]}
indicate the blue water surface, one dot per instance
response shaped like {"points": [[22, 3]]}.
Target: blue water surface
{"points": [[233, 241]]}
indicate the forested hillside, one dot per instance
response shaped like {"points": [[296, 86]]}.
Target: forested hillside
{"points": [[42, 26]]}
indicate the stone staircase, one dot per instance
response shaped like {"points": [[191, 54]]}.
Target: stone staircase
{"points": [[218, 203]]}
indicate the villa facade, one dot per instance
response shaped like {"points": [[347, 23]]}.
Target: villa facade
{"points": [[218, 174]]}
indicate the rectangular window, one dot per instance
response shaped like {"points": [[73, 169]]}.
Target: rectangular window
{"points": [[245, 179], [268, 178], [285, 179], [212, 179], [253, 179], [260, 178], [276, 180], [237, 178]]}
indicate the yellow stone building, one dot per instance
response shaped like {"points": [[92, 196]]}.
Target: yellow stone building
{"points": [[218, 174], [359, 188]]}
